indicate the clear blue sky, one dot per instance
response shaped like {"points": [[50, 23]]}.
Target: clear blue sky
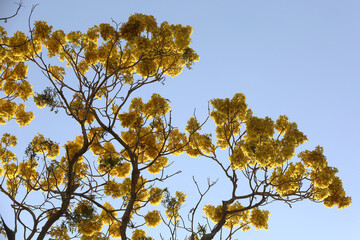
{"points": [[299, 58]]}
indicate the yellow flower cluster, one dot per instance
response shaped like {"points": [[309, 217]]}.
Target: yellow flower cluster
{"points": [[117, 190], [176, 141], [12, 183], [288, 182], [82, 114], [23, 118], [148, 48], [59, 232], [96, 147], [55, 43], [156, 106], [121, 170], [90, 223], [45, 146], [104, 151], [10, 170], [28, 172], [145, 142], [107, 218], [9, 110], [212, 212], [91, 227], [259, 218], [172, 209], [13, 83], [156, 195], [107, 31], [259, 128], [74, 37], [172, 39], [113, 189], [41, 31], [233, 219], [95, 236], [14, 52], [7, 157], [192, 126], [292, 138], [153, 218], [199, 143], [326, 186], [258, 144], [54, 178], [20, 48], [227, 115], [92, 35], [237, 158], [134, 119], [8, 140], [8, 167], [72, 147], [57, 72], [337, 196], [114, 230], [138, 234], [156, 165], [86, 115], [148, 135], [108, 159], [324, 177], [314, 159]]}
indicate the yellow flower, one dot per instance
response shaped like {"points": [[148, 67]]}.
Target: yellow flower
{"points": [[23, 118], [114, 230], [55, 43], [7, 109], [42, 30], [8, 140], [259, 218], [157, 165], [121, 170], [173, 206], [259, 128], [42, 145], [212, 212], [153, 218], [314, 159], [237, 158], [59, 232], [57, 72], [107, 31], [138, 234], [156, 195], [236, 218], [113, 189], [88, 228], [107, 217]]}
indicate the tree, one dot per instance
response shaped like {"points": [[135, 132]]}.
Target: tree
{"points": [[105, 183]]}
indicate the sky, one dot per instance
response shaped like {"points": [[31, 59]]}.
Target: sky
{"points": [[298, 58]]}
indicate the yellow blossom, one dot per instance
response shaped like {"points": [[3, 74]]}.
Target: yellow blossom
{"points": [[138, 234], [259, 218], [153, 218], [156, 195]]}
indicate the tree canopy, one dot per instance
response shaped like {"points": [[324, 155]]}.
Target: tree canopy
{"points": [[108, 181]]}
